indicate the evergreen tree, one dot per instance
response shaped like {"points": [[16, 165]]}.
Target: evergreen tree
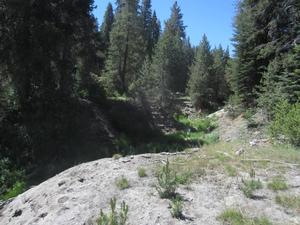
{"points": [[221, 88], [146, 14], [177, 67], [175, 23], [106, 26], [126, 52], [200, 86], [155, 31]]}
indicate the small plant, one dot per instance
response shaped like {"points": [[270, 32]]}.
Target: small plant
{"points": [[231, 171], [122, 183], [183, 178], [114, 218], [176, 208], [249, 186], [292, 202], [166, 182], [117, 156], [278, 184], [142, 172], [234, 217]]}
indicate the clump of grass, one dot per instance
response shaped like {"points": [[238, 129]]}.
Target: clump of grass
{"points": [[249, 186], [183, 178], [231, 171], [114, 218], [167, 183], [289, 201], [278, 184], [18, 188], [122, 183], [234, 217], [142, 172], [117, 156], [176, 208]]}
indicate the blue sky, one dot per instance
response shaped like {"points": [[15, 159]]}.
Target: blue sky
{"points": [[212, 17]]}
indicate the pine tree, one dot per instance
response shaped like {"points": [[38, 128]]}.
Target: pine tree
{"points": [[146, 14], [174, 34], [155, 31], [175, 23], [200, 85], [126, 52], [106, 26], [219, 69]]}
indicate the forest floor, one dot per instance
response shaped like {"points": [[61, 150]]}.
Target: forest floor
{"points": [[242, 180]]}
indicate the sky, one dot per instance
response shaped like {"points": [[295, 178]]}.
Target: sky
{"points": [[211, 17]]}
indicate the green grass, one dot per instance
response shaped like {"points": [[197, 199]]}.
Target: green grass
{"points": [[289, 201], [142, 172], [234, 217], [278, 184], [231, 171], [122, 183], [249, 186], [17, 189], [183, 178]]}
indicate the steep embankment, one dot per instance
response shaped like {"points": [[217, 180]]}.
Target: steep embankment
{"points": [[217, 179]]}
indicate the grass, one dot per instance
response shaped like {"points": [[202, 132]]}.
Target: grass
{"points": [[18, 188], [234, 217], [122, 183], [142, 172], [231, 171], [249, 186], [183, 178], [278, 184], [289, 201]]}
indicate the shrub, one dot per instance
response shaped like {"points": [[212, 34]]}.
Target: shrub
{"points": [[287, 122], [142, 172], [176, 208], [117, 156], [234, 217], [122, 183], [249, 186], [166, 182], [278, 184], [11, 180], [114, 218]]}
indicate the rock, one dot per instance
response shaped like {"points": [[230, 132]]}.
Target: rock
{"points": [[240, 151]]}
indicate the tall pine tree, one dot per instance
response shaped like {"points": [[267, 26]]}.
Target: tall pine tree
{"points": [[126, 52]]}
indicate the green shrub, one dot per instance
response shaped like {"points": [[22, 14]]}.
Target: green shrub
{"points": [[11, 180], [18, 188], [167, 183], [176, 208], [122, 183], [234, 217], [278, 184], [142, 172], [114, 218], [249, 186], [286, 122]]}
